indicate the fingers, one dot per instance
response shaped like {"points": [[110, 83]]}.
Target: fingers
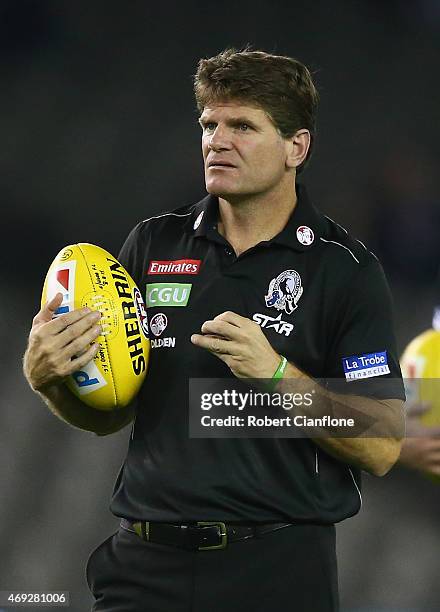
{"points": [[45, 364], [434, 432], [231, 317], [58, 333], [81, 343], [47, 311], [416, 429], [430, 462], [79, 362], [48, 357], [214, 344], [79, 333], [230, 325], [429, 458], [219, 327], [61, 323], [415, 409], [239, 343]]}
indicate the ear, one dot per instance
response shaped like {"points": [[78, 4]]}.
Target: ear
{"points": [[297, 148]]}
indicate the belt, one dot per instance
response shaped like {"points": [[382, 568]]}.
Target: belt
{"points": [[203, 535]]}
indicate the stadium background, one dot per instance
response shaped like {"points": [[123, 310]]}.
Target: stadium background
{"points": [[98, 130]]}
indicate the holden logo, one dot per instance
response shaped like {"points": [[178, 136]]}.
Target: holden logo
{"points": [[158, 323]]}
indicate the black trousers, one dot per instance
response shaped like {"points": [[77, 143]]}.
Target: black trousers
{"points": [[289, 570]]}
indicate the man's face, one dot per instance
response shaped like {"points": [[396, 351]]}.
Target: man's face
{"points": [[243, 153]]}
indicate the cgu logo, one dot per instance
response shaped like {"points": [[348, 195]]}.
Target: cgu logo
{"points": [[167, 294]]}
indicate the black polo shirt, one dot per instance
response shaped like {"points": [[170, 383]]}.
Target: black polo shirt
{"points": [[321, 299]]}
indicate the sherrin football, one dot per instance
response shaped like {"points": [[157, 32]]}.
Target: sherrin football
{"points": [[87, 275], [420, 365]]}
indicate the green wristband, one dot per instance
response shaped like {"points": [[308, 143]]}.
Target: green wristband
{"points": [[279, 373]]}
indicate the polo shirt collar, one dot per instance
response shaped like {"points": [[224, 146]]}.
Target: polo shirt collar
{"points": [[305, 225], [302, 231], [204, 217]]}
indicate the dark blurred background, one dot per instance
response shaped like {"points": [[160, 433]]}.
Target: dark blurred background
{"points": [[98, 130]]}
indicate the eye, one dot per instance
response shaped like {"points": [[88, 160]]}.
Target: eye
{"points": [[244, 127], [209, 127]]}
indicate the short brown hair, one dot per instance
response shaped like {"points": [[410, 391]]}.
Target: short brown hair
{"points": [[280, 85]]}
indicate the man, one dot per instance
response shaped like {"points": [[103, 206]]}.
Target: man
{"points": [[275, 289], [421, 447]]}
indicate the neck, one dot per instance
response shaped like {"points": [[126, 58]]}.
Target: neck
{"points": [[245, 222]]}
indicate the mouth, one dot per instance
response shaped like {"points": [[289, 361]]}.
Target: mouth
{"points": [[219, 165]]}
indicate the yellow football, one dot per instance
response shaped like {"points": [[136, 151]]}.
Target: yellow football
{"points": [[420, 365], [87, 275]]}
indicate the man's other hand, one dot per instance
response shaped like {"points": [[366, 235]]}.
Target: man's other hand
{"points": [[240, 343], [421, 447]]}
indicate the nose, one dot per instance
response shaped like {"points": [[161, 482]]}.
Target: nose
{"points": [[219, 140]]}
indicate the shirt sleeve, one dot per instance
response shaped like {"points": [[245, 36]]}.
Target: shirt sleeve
{"points": [[363, 357], [134, 252]]}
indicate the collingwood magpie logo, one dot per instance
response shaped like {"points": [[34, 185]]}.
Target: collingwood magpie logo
{"points": [[284, 291]]}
